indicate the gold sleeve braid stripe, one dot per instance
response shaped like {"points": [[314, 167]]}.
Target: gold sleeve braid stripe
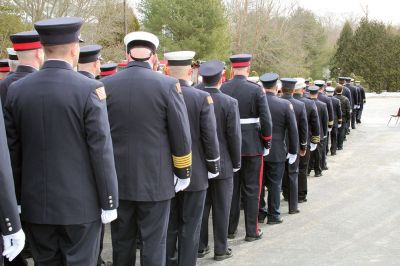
{"points": [[182, 161], [315, 139]]}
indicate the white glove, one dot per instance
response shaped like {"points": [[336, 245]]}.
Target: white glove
{"points": [[292, 158], [181, 184], [108, 216], [266, 152], [19, 209], [313, 146], [13, 244], [339, 125], [211, 175], [329, 130], [236, 169], [355, 107]]}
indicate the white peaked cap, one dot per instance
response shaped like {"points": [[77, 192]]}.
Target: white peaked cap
{"points": [[330, 89], [142, 36], [179, 56], [319, 82], [300, 84]]}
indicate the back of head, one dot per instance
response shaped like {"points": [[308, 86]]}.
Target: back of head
{"points": [[339, 89]]}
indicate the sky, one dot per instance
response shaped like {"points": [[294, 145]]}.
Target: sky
{"points": [[383, 10]]}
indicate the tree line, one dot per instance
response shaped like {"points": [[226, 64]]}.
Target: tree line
{"points": [[289, 40]]}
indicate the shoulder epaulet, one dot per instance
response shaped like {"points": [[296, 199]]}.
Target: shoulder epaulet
{"points": [[254, 83]]}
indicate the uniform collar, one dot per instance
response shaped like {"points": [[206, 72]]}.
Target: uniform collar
{"points": [[87, 74], [297, 96], [139, 64], [184, 83], [287, 96], [239, 77], [26, 69], [270, 93], [54, 63], [211, 90]]}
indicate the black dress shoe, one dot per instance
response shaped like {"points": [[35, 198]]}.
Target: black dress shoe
{"points": [[318, 175], [228, 254], [333, 153], [275, 221], [261, 217], [340, 148], [254, 238], [203, 253], [302, 200], [232, 236], [294, 212], [325, 168]]}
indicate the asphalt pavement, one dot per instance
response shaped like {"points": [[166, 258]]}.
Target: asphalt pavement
{"points": [[352, 216]]}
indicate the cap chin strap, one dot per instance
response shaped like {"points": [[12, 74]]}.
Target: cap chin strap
{"points": [[140, 59]]}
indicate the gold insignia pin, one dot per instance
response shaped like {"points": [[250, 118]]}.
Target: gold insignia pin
{"points": [[101, 93], [210, 100], [178, 88]]}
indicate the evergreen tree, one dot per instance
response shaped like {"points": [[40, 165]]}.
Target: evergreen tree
{"points": [[195, 25], [342, 63]]}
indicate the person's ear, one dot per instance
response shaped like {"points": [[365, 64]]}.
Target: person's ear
{"points": [[190, 72]]}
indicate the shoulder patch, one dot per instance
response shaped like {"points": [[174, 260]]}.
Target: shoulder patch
{"points": [[178, 88], [210, 100], [101, 93]]}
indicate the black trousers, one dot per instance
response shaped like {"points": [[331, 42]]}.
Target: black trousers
{"points": [[147, 220], [353, 119], [273, 174], [348, 123], [340, 136], [219, 197], [359, 112], [100, 260], [70, 245], [184, 227], [290, 183], [250, 182], [315, 159], [303, 170], [333, 137], [324, 149]]}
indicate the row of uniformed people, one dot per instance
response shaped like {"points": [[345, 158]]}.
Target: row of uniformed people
{"points": [[148, 122]]}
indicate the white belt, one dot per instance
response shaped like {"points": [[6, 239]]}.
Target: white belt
{"points": [[249, 121]]}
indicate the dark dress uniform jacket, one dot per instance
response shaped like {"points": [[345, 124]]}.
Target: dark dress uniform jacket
{"points": [[20, 73], [60, 146], [325, 99], [228, 130], [337, 111], [323, 118], [9, 217], [312, 119], [345, 107], [284, 121], [149, 126], [354, 95], [301, 119], [347, 94], [203, 130], [252, 104]]}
